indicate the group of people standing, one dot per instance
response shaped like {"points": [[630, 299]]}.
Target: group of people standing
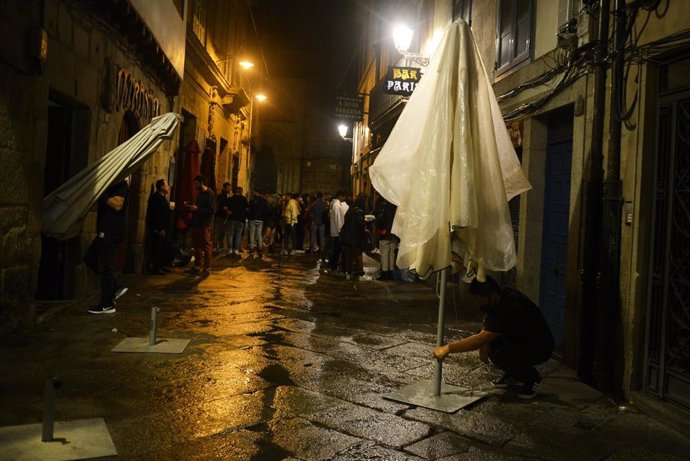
{"points": [[334, 227]]}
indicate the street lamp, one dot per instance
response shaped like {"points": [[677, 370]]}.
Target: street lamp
{"points": [[402, 38], [244, 64], [342, 129]]}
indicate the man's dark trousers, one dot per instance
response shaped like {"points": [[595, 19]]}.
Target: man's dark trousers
{"points": [[518, 359], [99, 258]]}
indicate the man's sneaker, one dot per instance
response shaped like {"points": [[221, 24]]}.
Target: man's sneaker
{"points": [[205, 273], [101, 309], [192, 271], [503, 382], [119, 292], [529, 389]]}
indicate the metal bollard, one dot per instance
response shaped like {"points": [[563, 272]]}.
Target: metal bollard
{"points": [[49, 396], [154, 326]]}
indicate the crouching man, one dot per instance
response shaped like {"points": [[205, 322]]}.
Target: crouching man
{"points": [[514, 336]]}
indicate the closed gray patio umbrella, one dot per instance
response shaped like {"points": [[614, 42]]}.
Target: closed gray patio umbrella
{"points": [[65, 208]]}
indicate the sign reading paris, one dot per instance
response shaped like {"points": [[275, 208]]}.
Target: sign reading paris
{"points": [[402, 80], [349, 107]]}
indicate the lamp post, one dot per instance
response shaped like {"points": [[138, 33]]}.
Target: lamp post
{"points": [[402, 38]]}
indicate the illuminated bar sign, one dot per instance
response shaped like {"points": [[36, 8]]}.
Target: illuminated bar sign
{"points": [[402, 80], [349, 107]]}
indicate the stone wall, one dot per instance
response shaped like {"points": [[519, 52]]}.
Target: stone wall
{"points": [[80, 69], [19, 198]]}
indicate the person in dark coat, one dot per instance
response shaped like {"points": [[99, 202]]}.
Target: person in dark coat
{"points": [[388, 242], [221, 219], [158, 223], [237, 207], [259, 210], [515, 336], [354, 239]]}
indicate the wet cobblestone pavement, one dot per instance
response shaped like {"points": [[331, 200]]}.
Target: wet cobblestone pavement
{"points": [[286, 362]]}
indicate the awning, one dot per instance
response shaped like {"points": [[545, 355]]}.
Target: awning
{"points": [[66, 207]]}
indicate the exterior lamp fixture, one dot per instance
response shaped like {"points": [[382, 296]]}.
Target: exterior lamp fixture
{"points": [[342, 129], [246, 64], [402, 38], [260, 97]]}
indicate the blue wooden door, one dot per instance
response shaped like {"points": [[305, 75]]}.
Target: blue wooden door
{"points": [[555, 234]]}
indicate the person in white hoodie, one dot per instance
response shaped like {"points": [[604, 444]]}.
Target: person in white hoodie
{"points": [[337, 217]]}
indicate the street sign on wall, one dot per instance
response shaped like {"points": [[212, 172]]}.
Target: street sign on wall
{"points": [[349, 108]]}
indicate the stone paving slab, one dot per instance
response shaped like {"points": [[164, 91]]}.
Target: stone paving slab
{"points": [[484, 428], [370, 451], [385, 428], [439, 446], [308, 441]]}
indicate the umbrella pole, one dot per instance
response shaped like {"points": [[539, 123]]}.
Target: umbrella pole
{"points": [[428, 394], [439, 334]]}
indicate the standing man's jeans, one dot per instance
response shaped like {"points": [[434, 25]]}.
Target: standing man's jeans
{"points": [[99, 258], [255, 235], [317, 231], [387, 248], [201, 241], [289, 236], [235, 229]]}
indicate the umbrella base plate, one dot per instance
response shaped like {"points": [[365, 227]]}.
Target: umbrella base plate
{"points": [[81, 439], [162, 346], [421, 394]]}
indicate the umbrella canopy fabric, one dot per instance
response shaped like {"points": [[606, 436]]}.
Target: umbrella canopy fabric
{"points": [[449, 164], [66, 207]]}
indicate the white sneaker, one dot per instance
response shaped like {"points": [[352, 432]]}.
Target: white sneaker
{"points": [[119, 292], [101, 309]]}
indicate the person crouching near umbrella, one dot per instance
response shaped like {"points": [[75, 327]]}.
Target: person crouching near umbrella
{"points": [[514, 336], [202, 222]]}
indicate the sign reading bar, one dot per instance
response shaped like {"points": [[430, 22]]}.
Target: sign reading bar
{"points": [[402, 80], [349, 107]]}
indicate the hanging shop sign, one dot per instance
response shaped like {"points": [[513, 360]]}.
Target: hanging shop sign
{"points": [[402, 80], [349, 108]]}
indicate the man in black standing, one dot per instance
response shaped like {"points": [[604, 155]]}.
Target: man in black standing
{"points": [[514, 336], [237, 206], [158, 224], [110, 231]]}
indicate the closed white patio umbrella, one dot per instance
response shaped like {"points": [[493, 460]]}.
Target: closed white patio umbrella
{"points": [[449, 164], [450, 167], [66, 207]]}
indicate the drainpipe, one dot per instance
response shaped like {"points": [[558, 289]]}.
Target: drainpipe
{"points": [[608, 341], [593, 206]]}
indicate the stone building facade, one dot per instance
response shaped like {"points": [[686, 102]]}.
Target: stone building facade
{"points": [[78, 78], [601, 237]]}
